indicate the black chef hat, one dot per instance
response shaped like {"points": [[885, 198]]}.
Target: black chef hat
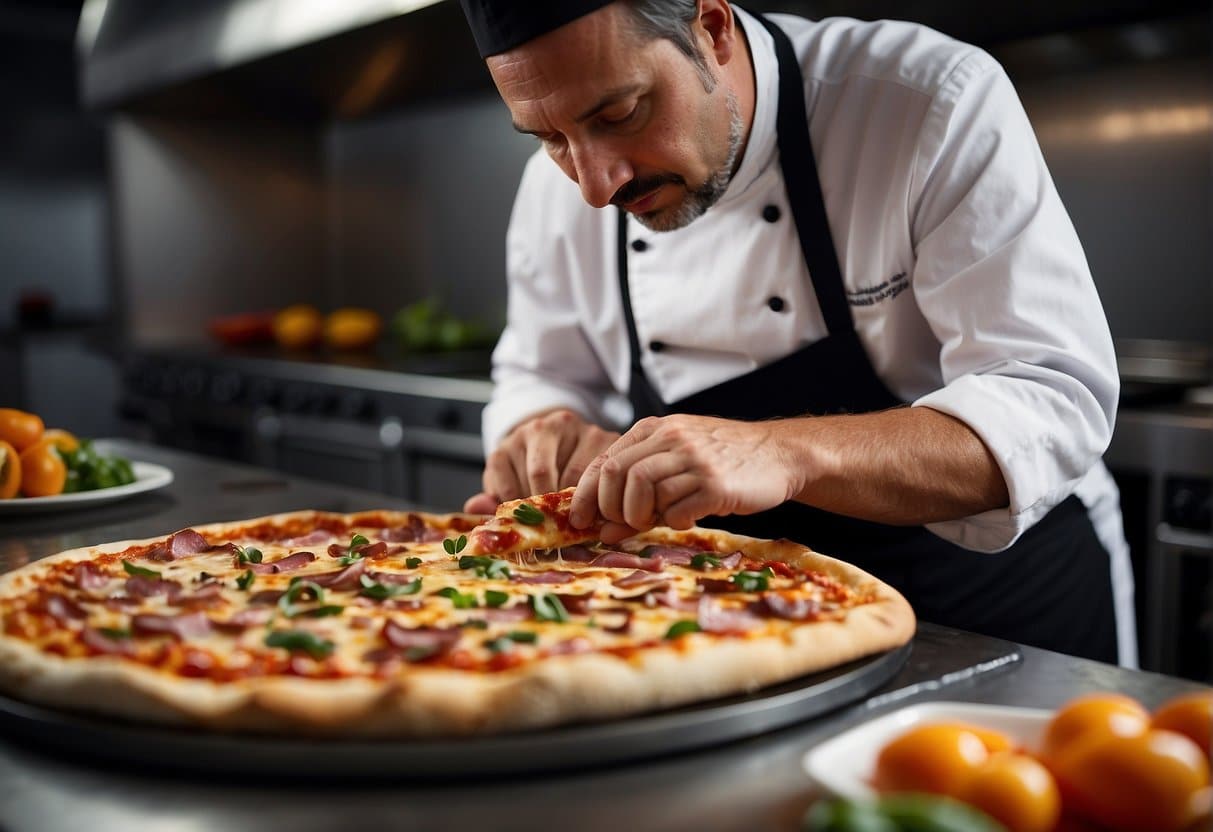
{"points": [[500, 25]]}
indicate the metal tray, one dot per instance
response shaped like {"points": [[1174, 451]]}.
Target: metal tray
{"points": [[181, 750]]}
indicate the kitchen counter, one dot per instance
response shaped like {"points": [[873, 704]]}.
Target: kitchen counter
{"points": [[753, 784]]}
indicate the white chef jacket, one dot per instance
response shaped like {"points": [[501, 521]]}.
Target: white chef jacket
{"points": [[967, 283]]}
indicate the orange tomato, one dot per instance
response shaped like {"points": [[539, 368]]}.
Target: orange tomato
{"points": [[61, 439], [1102, 714], [1190, 715], [20, 429], [43, 473], [1156, 780], [937, 758], [10, 471], [1016, 791], [298, 326]]}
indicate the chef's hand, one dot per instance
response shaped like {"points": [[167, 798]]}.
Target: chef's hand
{"points": [[673, 470], [545, 453]]}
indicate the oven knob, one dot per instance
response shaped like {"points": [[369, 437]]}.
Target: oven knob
{"points": [[193, 382], [296, 399], [262, 391], [226, 387], [354, 406]]}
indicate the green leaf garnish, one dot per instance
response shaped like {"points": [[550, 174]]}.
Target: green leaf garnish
{"points": [[751, 581], [476, 624], [248, 555], [350, 555], [485, 567], [325, 611], [358, 540], [294, 640], [139, 571], [701, 560], [461, 600], [381, 592], [495, 598], [528, 515], [523, 636], [549, 608], [346, 560], [115, 633], [287, 603], [681, 628], [455, 546], [412, 563], [246, 580]]}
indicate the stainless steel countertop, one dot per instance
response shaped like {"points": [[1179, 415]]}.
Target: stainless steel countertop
{"points": [[755, 784]]}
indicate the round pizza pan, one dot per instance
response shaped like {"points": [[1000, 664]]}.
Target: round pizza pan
{"points": [[186, 751]]}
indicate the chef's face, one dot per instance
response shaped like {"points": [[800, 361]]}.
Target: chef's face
{"points": [[632, 120]]}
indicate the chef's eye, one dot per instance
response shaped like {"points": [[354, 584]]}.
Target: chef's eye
{"points": [[621, 116]]}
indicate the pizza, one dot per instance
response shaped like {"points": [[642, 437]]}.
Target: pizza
{"points": [[539, 522], [386, 624]]}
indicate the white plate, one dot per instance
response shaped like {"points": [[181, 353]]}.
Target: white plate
{"points": [[148, 477], [843, 765]]}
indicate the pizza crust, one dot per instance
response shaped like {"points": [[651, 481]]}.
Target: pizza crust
{"points": [[429, 701]]}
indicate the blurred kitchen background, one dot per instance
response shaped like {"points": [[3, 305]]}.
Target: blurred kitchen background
{"points": [[172, 171]]}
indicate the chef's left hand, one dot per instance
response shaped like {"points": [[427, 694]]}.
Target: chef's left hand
{"points": [[673, 470]]}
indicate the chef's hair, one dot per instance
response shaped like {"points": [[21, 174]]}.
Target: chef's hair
{"points": [[671, 20]]}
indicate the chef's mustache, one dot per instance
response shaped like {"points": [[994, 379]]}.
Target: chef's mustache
{"points": [[639, 188]]}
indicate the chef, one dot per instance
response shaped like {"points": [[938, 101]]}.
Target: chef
{"points": [[822, 272]]}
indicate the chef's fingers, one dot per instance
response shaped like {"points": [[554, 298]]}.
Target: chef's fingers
{"points": [[481, 503], [670, 492], [638, 495], [540, 468], [501, 472], [701, 502], [591, 442], [615, 532]]}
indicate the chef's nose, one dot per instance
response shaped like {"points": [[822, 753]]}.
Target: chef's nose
{"points": [[601, 172]]}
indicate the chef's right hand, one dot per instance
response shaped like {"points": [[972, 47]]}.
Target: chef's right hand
{"points": [[545, 453]]}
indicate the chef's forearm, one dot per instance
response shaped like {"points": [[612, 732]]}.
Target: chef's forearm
{"points": [[910, 465]]}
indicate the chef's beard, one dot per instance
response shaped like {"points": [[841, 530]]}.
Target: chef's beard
{"points": [[698, 200]]}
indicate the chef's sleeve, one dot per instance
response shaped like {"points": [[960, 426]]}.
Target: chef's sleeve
{"points": [[1025, 352]]}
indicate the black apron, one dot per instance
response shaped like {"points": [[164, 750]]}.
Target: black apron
{"points": [[1052, 589]]}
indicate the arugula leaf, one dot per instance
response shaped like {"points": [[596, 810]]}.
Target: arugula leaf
{"points": [[323, 612], [287, 603], [248, 554], [506, 642], [461, 600], [293, 640], [549, 608], [701, 560], [528, 515], [381, 592], [246, 580], [523, 636], [350, 555], [485, 567], [456, 545], [681, 628], [412, 563], [495, 598], [751, 581], [139, 571]]}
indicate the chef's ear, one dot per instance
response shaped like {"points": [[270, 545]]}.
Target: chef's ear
{"points": [[716, 28]]}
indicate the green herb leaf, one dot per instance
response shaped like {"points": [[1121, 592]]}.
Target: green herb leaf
{"points": [[139, 571], [346, 560], [476, 624], [358, 540], [751, 581], [681, 628], [454, 546], [523, 636], [325, 611], [246, 580], [549, 608], [381, 592], [495, 598], [701, 560], [295, 640], [501, 644], [419, 653], [528, 515], [287, 603], [412, 563], [114, 633], [461, 600], [248, 555], [486, 567]]}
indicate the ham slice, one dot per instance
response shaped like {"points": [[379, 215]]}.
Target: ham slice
{"points": [[639, 578], [244, 619], [780, 606], [714, 617], [137, 586], [437, 639], [552, 576], [101, 643], [64, 609], [88, 578], [180, 627], [624, 560], [290, 563], [347, 578], [182, 544]]}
